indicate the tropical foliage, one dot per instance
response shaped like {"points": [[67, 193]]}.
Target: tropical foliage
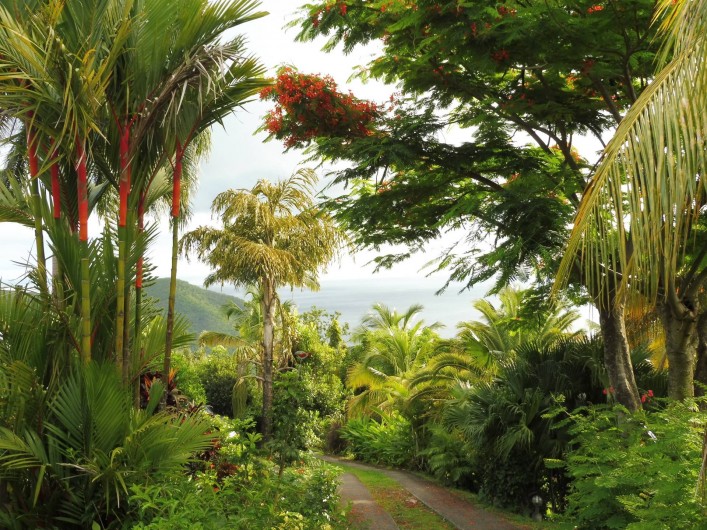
{"points": [[112, 415]]}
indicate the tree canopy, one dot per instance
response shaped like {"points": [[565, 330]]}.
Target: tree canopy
{"points": [[522, 80]]}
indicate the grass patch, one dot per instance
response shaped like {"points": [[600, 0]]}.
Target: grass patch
{"points": [[404, 508]]}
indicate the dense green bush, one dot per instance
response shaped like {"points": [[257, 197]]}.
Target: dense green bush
{"points": [[188, 382], [637, 471], [74, 468], [389, 442], [294, 418], [449, 458], [303, 498], [218, 373], [233, 486]]}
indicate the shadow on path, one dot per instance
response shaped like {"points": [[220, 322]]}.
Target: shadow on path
{"points": [[459, 512]]}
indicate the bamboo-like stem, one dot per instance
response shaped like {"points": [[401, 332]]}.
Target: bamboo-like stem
{"points": [[170, 307], [37, 210], [57, 269], [176, 193], [120, 297], [127, 347], [56, 183], [124, 190], [137, 329], [81, 169]]}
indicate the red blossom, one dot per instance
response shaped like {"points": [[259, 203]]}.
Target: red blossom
{"points": [[309, 106], [595, 8], [500, 56], [504, 11], [587, 65]]}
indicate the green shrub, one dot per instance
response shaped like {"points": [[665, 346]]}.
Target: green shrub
{"points": [[218, 374], [187, 376], [389, 442], [449, 458], [636, 471], [304, 498], [74, 470], [293, 418]]}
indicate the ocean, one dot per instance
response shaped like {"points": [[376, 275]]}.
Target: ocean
{"points": [[354, 298]]}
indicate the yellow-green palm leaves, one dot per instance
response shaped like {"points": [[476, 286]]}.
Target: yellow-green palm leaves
{"points": [[395, 347], [633, 226], [271, 233]]}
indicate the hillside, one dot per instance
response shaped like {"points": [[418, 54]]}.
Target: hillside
{"points": [[203, 308]]}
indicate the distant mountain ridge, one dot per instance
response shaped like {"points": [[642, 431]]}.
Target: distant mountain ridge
{"points": [[201, 307]]}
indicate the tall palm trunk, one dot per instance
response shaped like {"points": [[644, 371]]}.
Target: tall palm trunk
{"points": [[176, 197], [268, 308], [617, 357], [56, 183], [82, 173], [681, 346], [137, 328], [57, 270], [124, 191], [37, 209], [127, 346]]}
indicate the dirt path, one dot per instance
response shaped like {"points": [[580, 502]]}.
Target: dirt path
{"points": [[459, 512]]}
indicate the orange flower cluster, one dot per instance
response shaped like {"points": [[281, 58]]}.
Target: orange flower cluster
{"points": [[310, 106], [595, 8]]}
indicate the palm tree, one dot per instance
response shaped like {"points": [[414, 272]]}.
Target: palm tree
{"points": [[394, 350], [644, 201], [482, 348], [273, 235], [507, 327], [247, 342], [150, 76], [61, 56]]}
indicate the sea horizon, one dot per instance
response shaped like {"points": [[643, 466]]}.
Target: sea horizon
{"points": [[355, 297]]}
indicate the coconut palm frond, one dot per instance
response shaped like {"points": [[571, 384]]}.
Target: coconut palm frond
{"points": [[633, 226]]}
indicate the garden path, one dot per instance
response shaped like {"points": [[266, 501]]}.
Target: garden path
{"points": [[363, 507], [457, 511]]}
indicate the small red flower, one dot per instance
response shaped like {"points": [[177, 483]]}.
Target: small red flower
{"points": [[595, 8], [500, 56]]}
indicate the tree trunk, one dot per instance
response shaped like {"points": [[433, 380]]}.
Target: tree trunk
{"points": [[701, 362], [124, 192], [681, 350], [268, 306], [170, 310], [37, 210], [81, 170], [176, 198], [137, 329], [617, 357]]}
